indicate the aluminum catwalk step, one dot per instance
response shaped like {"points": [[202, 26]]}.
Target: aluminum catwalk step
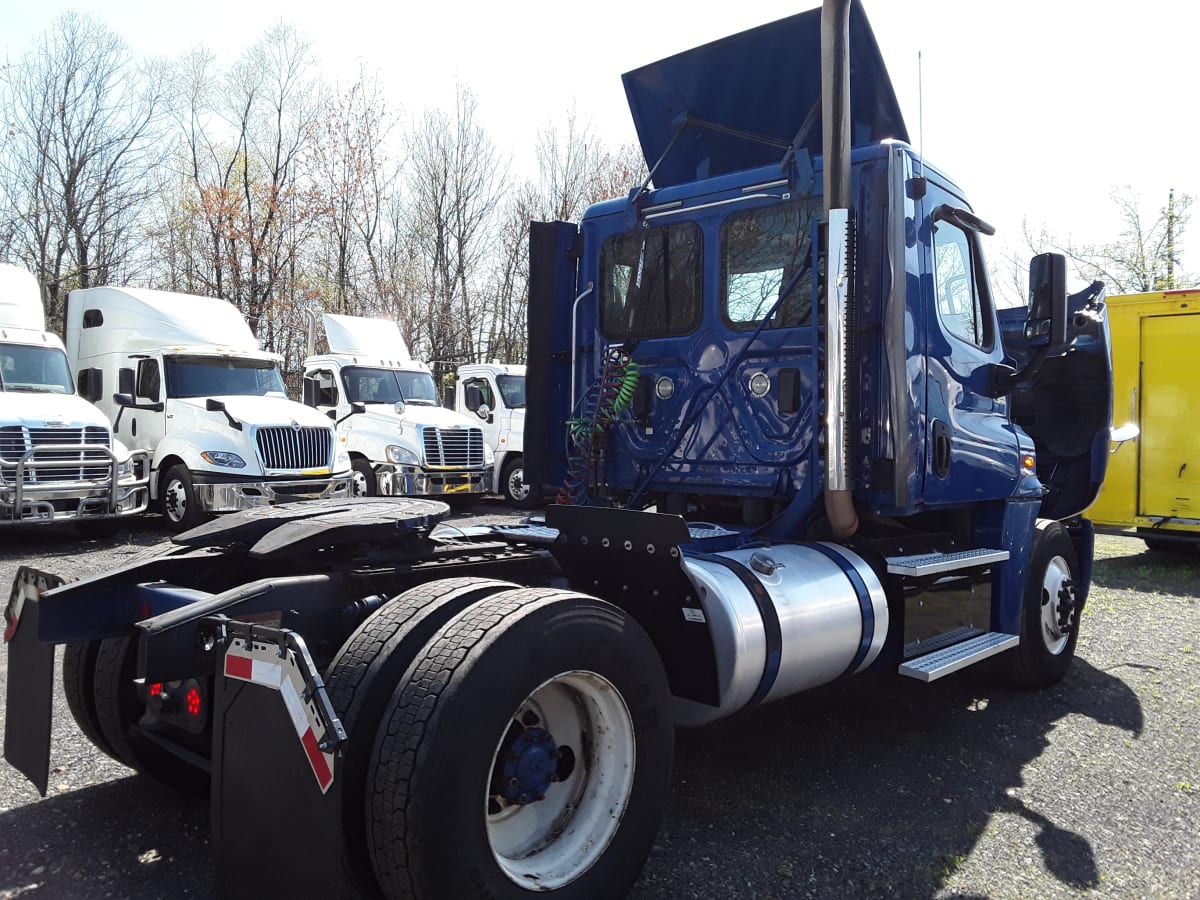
{"points": [[937, 563], [939, 663]]}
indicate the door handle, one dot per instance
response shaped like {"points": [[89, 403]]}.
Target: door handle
{"points": [[941, 448]]}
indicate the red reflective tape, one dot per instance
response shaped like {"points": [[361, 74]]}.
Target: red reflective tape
{"points": [[239, 667], [316, 759]]}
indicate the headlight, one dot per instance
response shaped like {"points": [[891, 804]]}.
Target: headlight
{"points": [[402, 456], [221, 458], [341, 459], [489, 455], [125, 469]]}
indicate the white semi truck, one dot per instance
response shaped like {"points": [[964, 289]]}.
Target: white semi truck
{"points": [[401, 441], [58, 459], [195, 391], [495, 394]]}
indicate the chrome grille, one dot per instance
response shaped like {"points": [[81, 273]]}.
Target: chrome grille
{"points": [[458, 447], [295, 448], [76, 461]]}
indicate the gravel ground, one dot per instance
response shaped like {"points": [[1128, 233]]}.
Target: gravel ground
{"points": [[872, 788]]}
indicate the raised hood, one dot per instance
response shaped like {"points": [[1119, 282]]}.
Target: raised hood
{"points": [[357, 336], [765, 83]]}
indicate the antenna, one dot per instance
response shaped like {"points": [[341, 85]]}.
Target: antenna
{"points": [[920, 115]]}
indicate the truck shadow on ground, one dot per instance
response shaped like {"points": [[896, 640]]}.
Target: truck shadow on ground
{"points": [[127, 838], [872, 788]]}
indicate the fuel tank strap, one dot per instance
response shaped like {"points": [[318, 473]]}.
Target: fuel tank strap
{"points": [[770, 619], [864, 602]]}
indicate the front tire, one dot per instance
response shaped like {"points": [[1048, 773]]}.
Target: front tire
{"points": [[528, 750], [362, 479], [516, 490], [179, 504], [1050, 613]]}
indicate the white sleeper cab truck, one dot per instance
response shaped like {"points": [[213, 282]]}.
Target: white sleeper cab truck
{"points": [[195, 392], [495, 394], [58, 459], [401, 440]]}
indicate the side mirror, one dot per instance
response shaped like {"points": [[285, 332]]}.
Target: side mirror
{"points": [[400, 407], [125, 382], [484, 412], [123, 399], [356, 409], [1047, 299], [1124, 433], [214, 405]]}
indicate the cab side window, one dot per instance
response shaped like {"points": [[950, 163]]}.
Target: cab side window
{"points": [[149, 380], [327, 393], [962, 305], [476, 393]]}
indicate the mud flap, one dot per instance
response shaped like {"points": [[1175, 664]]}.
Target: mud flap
{"points": [[29, 697], [276, 786]]}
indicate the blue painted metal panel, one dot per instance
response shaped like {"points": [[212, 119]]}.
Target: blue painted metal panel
{"points": [[764, 82]]}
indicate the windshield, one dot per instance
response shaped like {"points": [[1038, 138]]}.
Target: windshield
{"points": [[512, 390], [369, 385], [39, 370], [221, 376]]}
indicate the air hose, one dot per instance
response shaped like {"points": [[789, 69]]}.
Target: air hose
{"points": [[604, 402]]}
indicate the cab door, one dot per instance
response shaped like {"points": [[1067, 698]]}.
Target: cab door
{"points": [[973, 452]]}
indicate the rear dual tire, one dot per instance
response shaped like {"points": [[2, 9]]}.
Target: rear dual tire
{"points": [[521, 686]]}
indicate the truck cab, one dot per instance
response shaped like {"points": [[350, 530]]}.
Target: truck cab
{"points": [[385, 405], [195, 392], [495, 394], [59, 461]]}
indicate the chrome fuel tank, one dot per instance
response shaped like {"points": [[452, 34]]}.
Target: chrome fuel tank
{"points": [[784, 618]]}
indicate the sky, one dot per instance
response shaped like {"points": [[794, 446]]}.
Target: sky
{"points": [[1038, 110]]}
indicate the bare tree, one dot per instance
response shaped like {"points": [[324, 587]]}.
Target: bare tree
{"points": [[84, 131], [352, 178], [1145, 256], [575, 170], [455, 182]]}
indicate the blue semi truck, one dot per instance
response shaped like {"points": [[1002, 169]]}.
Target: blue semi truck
{"points": [[790, 439]]}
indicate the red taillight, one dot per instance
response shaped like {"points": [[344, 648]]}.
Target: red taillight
{"points": [[192, 702], [155, 689]]}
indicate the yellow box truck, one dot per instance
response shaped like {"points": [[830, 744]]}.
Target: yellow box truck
{"points": [[1153, 480]]}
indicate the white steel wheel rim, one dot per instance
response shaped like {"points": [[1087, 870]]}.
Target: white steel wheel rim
{"points": [[547, 844], [176, 501], [517, 488], [1057, 573], [358, 482]]}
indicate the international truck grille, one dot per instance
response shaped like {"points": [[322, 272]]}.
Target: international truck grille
{"points": [[81, 459], [459, 447], [295, 448]]}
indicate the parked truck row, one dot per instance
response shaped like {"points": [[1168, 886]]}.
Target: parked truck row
{"points": [[791, 440], [181, 382]]}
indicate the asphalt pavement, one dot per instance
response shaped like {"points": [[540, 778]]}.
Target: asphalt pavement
{"points": [[875, 787]]}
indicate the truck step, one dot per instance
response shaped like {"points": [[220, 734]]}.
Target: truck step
{"points": [[937, 642], [932, 666], [936, 563]]}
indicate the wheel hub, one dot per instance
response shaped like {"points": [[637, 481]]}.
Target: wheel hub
{"points": [[530, 766]]}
